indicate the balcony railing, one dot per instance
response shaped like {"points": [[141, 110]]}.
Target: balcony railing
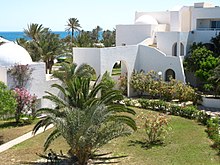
{"points": [[208, 29]]}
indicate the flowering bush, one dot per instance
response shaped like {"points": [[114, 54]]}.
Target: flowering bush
{"points": [[26, 103], [156, 127]]}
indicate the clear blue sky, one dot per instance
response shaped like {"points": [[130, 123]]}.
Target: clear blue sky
{"points": [[15, 15]]}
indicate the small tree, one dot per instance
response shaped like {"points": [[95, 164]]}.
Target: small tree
{"points": [[21, 74], [26, 103], [7, 101]]}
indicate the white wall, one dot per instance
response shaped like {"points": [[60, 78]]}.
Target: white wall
{"points": [[3, 74], [133, 34], [88, 55], [204, 13], [151, 59], [185, 19], [203, 36], [165, 41]]}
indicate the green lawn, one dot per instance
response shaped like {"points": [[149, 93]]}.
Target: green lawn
{"points": [[187, 143], [9, 130]]}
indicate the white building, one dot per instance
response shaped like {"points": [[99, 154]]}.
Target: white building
{"points": [[156, 41], [11, 54]]}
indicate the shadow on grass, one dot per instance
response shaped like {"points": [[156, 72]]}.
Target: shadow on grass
{"points": [[64, 160], [1, 140], [10, 124], [144, 144]]}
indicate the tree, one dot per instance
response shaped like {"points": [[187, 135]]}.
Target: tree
{"points": [[108, 38], [95, 34], [33, 31], [84, 39], [49, 46], [68, 71], [72, 26], [7, 101], [86, 121]]}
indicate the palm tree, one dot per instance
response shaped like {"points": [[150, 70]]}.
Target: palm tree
{"points": [[95, 34], [33, 31], [72, 25], [84, 120], [68, 71]]}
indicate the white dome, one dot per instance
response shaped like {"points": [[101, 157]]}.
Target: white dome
{"points": [[146, 19], [11, 53]]}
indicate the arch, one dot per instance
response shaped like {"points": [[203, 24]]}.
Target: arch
{"points": [[181, 49], [174, 49], [169, 74], [119, 73]]}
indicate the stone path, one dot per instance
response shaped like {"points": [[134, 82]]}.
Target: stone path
{"points": [[20, 139]]}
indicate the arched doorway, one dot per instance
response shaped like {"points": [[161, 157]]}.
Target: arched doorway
{"points": [[169, 74], [119, 74], [181, 49], [174, 49]]}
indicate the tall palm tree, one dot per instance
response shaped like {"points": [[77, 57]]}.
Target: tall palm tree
{"points": [[84, 120], [73, 25], [34, 31]]}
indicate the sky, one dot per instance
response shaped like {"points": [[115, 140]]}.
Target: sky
{"points": [[16, 15]]}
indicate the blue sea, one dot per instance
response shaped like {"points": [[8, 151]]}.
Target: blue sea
{"points": [[12, 36]]}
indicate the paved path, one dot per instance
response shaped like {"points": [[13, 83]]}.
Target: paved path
{"points": [[20, 139]]}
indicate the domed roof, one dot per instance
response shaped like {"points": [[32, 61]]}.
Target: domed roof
{"points": [[146, 19], [11, 53]]}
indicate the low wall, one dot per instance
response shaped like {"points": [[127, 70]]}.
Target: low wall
{"points": [[211, 102]]}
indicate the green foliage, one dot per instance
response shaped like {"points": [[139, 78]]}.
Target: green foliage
{"points": [[7, 101], [156, 127], [122, 81], [44, 45], [152, 85], [213, 130], [108, 82], [108, 38], [85, 120], [67, 71]]}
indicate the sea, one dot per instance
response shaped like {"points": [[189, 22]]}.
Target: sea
{"points": [[12, 36]]}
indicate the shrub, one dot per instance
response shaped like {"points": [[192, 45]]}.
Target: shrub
{"points": [[108, 82], [122, 81], [144, 103], [213, 130], [7, 101], [26, 103], [156, 127], [189, 112]]}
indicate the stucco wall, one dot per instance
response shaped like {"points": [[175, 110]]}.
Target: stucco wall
{"points": [[133, 34], [88, 55], [3, 74], [152, 59], [166, 45], [204, 13]]}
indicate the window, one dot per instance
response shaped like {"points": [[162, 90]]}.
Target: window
{"points": [[215, 24]]}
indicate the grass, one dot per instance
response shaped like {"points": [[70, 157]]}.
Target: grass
{"points": [[9, 130], [187, 143], [116, 71]]}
